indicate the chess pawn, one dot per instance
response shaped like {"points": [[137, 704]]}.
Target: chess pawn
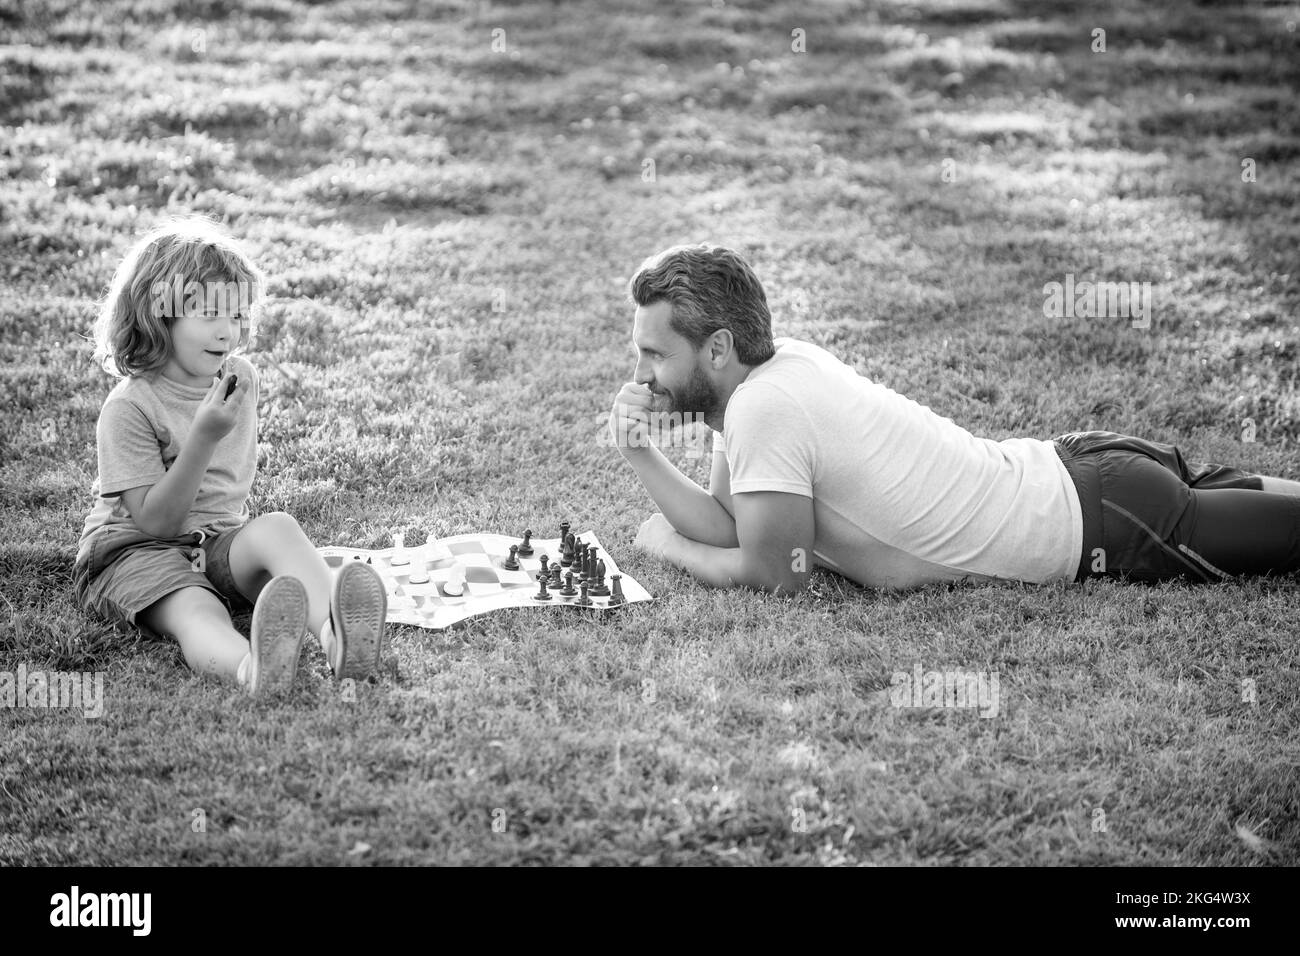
{"points": [[568, 590], [455, 583], [400, 556], [542, 594], [545, 559], [555, 576], [583, 600], [526, 546], [419, 572], [512, 562], [599, 589]]}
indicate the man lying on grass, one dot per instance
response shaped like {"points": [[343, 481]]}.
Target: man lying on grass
{"points": [[815, 465]]}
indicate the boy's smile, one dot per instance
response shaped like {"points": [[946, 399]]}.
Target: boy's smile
{"points": [[200, 345]]}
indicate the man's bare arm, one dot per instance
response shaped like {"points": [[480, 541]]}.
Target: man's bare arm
{"points": [[690, 509], [775, 534]]}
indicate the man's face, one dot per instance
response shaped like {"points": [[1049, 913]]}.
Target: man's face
{"points": [[675, 370]]}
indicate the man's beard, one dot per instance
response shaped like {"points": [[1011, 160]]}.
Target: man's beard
{"points": [[698, 396]]}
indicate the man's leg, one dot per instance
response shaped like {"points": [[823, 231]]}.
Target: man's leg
{"points": [[1243, 532], [1280, 486]]}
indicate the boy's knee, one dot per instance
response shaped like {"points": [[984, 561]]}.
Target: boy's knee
{"points": [[274, 528], [192, 602]]}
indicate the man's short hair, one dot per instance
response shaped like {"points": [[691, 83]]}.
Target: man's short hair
{"points": [[710, 288]]}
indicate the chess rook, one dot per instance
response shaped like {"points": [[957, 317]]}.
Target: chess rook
{"points": [[616, 596]]}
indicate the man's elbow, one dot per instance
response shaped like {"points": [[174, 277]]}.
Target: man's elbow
{"points": [[774, 580]]}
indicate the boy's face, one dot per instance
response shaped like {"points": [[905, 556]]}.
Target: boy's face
{"points": [[201, 343]]}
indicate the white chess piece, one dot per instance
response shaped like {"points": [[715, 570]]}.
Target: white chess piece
{"points": [[400, 556], [455, 584], [419, 571]]}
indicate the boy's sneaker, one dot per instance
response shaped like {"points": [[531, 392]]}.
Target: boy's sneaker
{"points": [[358, 610], [279, 623]]}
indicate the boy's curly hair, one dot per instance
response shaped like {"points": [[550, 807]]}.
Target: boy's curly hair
{"points": [[132, 334]]}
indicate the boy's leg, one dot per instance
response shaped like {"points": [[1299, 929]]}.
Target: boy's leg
{"points": [[346, 612], [200, 623], [272, 545]]}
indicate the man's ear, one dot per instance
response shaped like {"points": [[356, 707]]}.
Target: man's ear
{"points": [[722, 346]]}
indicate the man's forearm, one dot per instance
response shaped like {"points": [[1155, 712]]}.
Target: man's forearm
{"points": [[716, 567], [690, 509]]}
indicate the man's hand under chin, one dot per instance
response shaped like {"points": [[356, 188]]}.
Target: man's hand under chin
{"points": [[775, 531]]}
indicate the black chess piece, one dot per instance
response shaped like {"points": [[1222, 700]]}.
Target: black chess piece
{"points": [[566, 551], [526, 546], [555, 576], [545, 559], [583, 600], [568, 590], [542, 594], [599, 590], [512, 562], [564, 534], [616, 596], [591, 564]]}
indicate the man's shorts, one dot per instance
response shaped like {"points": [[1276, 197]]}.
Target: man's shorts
{"points": [[121, 571], [1138, 506]]}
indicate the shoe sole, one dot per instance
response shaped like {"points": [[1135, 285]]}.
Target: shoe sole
{"points": [[279, 623], [359, 610]]}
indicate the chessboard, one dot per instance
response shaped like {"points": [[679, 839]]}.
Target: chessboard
{"points": [[446, 580]]}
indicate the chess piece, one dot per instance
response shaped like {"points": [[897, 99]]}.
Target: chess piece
{"points": [[555, 576], [542, 594], [419, 572], [400, 556], [616, 596], [545, 569], [455, 583], [599, 589], [568, 590], [526, 546], [564, 534], [566, 551], [583, 600], [512, 562]]}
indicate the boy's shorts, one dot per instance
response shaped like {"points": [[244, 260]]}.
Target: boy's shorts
{"points": [[121, 571], [1138, 506]]}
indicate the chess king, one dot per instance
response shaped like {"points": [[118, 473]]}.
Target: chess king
{"points": [[816, 465]]}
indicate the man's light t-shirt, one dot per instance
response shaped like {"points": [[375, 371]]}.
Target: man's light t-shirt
{"points": [[901, 496]]}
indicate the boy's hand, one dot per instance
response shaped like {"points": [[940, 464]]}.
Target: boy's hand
{"points": [[630, 418], [217, 414]]}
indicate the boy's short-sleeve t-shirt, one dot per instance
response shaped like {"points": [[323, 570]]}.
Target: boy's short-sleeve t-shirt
{"points": [[901, 496], [142, 428]]}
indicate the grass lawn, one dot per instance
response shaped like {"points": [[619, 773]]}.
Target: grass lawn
{"points": [[450, 215]]}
